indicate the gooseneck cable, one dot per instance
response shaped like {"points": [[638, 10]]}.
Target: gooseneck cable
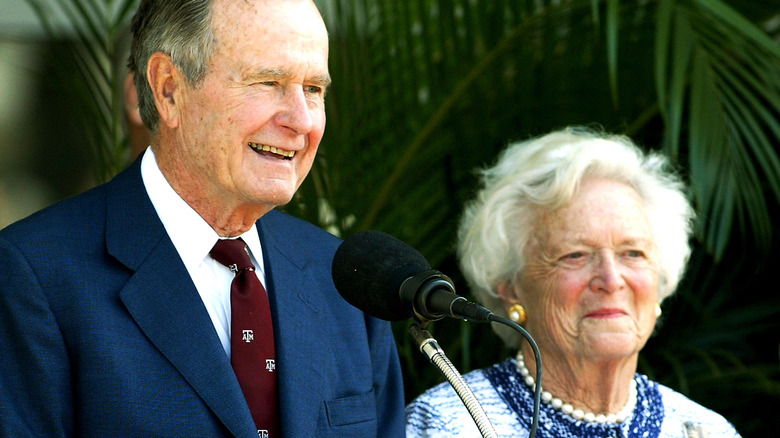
{"points": [[430, 348]]}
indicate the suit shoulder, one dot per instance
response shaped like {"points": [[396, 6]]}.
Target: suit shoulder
{"points": [[70, 214], [303, 231], [80, 217]]}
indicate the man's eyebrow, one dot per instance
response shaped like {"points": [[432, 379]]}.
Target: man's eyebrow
{"points": [[278, 74], [266, 74], [321, 80]]}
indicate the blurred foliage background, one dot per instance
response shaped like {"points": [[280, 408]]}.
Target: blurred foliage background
{"points": [[426, 91]]}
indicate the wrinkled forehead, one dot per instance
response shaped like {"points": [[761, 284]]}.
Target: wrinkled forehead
{"points": [[302, 14], [603, 210], [269, 26]]}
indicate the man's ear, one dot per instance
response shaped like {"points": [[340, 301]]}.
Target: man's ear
{"points": [[166, 82]]}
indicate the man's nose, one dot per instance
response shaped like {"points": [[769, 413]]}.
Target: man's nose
{"points": [[295, 113]]}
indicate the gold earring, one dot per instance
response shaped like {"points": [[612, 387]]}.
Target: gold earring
{"points": [[658, 310], [517, 314]]}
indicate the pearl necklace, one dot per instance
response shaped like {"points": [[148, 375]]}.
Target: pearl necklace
{"points": [[579, 414]]}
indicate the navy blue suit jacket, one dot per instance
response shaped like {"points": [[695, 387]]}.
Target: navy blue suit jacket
{"points": [[102, 332]]}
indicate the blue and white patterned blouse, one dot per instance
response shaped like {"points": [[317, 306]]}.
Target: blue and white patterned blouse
{"points": [[660, 412]]}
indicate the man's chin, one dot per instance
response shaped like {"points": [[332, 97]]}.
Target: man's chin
{"points": [[275, 198]]}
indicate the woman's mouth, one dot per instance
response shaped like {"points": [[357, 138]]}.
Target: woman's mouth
{"points": [[605, 313]]}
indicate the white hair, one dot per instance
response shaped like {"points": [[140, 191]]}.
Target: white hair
{"points": [[546, 172]]}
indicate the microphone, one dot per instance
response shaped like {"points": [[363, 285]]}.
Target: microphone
{"points": [[390, 280]]}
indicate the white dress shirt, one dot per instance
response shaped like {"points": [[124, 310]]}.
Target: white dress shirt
{"points": [[193, 238]]}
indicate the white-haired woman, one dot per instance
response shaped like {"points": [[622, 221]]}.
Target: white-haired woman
{"points": [[579, 237]]}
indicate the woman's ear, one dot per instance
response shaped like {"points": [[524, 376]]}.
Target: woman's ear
{"points": [[508, 294], [166, 82], [510, 300]]}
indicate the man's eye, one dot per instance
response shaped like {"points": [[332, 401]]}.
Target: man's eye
{"points": [[314, 89], [635, 253], [574, 255]]}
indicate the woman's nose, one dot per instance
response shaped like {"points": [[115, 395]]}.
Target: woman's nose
{"points": [[607, 276]]}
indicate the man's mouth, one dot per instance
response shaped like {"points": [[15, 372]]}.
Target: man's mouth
{"points": [[272, 151]]}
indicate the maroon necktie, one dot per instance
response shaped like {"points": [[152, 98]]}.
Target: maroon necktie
{"points": [[251, 337]]}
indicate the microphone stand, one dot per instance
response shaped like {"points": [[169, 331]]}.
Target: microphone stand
{"points": [[430, 348]]}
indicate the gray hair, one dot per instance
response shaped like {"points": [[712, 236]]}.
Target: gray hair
{"points": [[545, 172], [179, 28]]}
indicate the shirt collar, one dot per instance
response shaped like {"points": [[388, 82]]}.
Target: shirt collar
{"points": [[192, 236]]}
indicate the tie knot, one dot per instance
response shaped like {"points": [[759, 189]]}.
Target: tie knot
{"points": [[231, 252]]}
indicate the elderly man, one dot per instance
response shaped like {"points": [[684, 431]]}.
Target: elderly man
{"points": [[174, 300]]}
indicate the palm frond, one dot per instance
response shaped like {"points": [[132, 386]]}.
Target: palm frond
{"points": [[432, 74], [95, 40], [724, 73]]}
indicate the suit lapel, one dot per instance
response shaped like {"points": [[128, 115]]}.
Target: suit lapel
{"points": [[296, 316], [162, 299]]}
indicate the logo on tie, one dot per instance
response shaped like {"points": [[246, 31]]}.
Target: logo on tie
{"points": [[270, 365], [249, 336]]}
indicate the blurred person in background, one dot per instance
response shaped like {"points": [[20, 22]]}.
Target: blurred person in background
{"points": [[138, 135]]}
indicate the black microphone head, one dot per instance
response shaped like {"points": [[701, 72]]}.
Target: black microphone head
{"points": [[368, 270]]}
